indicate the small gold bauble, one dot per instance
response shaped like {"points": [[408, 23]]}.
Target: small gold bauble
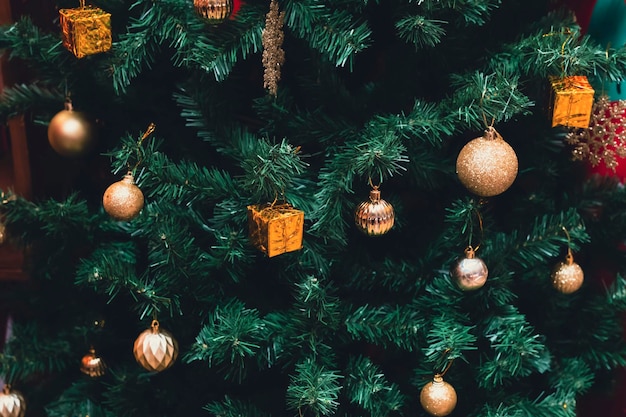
{"points": [[487, 165], [374, 217], [12, 403], [123, 200], [155, 349], [92, 365], [71, 133], [214, 11], [438, 397], [568, 276], [470, 273]]}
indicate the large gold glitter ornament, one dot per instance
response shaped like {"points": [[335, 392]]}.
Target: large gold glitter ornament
{"points": [[92, 365], [604, 139], [273, 53], [567, 276], [470, 273], [275, 228], [438, 398], [70, 132], [12, 403], [214, 11], [376, 216], [123, 200], [155, 349], [487, 166], [86, 30], [571, 101]]}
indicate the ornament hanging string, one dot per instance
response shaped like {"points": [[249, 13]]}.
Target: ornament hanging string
{"points": [[569, 257], [470, 249], [151, 127]]}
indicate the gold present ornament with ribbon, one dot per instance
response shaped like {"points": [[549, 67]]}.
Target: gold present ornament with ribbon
{"points": [[571, 101], [275, 228], [86, 30]]}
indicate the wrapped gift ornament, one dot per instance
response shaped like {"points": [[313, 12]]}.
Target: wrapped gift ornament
{"points": [[276, 228], [571, 101], [86, 30]]}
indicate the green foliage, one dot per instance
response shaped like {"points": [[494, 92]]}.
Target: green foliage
{"points": [[313, 388], [372, 93], [367, 386]]}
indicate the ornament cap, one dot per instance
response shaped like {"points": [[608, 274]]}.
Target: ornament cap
{"points": [[129, 179], [491, 134], [68, 105], [155, 326], [438, 379], [375, 195], [470, 253]]}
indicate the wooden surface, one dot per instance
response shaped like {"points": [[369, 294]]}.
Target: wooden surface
{"points": [[14, 163]]}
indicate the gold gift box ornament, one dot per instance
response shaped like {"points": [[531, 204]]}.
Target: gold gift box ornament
{"points": [[571, 101], [275, 228], [86, 30]]}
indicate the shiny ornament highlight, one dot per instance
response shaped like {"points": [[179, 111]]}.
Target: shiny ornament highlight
{"points": [[214, 11], [123, 200], [71, 133], [567, 276], [12, 403], [155, 349], [470, 273], [92, 365], [438, 398], [487, 166], [375, 217]]}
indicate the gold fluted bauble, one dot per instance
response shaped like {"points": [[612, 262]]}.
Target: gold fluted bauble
{"points": [[123, 200], [567, 276], [214, 11], [470, 273], [438, 398], [71, 133], [155, 349], [487, 166], [12, 403], [374, 217], [92, 365]]}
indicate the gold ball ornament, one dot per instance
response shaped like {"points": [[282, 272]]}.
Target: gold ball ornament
{"points": [[487, 166], [71, 133], [12, 403], [567, 276], [123, 200], [374, 217], [214, 11], [91, 364], [155, 349], [470, 273], [438, 398]]}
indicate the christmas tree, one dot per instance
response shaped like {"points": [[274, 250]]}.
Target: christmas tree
{"points": [[311, 208]]}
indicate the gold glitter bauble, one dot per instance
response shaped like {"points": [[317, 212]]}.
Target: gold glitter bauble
{"points": [[155, 349], [12, 403], [438, 397], [123, 200], [567, 276], [70, 133], [374, 217], [470, 273], [214, 11], [92, 365], [487, 165]]}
